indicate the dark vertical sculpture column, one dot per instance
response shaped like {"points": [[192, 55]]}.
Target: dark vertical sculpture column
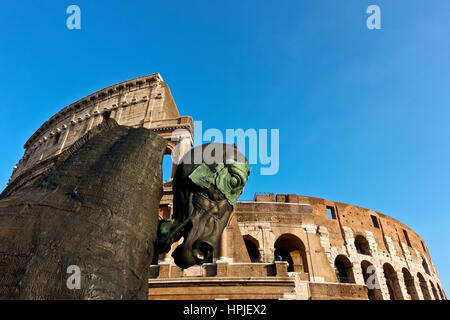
{"points": [[97, 210]]}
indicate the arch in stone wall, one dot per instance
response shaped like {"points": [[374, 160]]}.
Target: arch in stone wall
{"points": [[425, 266], [290, 248], [433, 289], [362, 245], [252, 246], [392, 282], [371, 280], [344, 269], [409, 284], [423, 287], [440, 291]]}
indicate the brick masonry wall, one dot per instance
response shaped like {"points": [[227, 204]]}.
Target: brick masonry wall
{"points": [[325, 239]]}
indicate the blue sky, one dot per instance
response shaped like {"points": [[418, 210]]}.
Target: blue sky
{"points": [[363, 114]]}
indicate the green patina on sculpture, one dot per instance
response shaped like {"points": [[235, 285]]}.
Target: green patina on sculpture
{"points": [[205, 195], [229, 177]]}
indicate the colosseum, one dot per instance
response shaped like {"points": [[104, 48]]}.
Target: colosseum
{"points": [[283, 246]]}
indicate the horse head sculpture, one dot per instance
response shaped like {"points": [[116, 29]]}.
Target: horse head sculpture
{"points": [[206, 186]]}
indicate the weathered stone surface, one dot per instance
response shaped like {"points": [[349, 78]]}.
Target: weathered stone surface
{"points": [[142, 102], [310, 242], [98, 209]]}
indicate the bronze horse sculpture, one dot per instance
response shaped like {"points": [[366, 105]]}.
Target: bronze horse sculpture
{"points": [[97, 210]]}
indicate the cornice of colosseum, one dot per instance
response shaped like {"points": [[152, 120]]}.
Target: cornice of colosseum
{"points": [[86, 101]]}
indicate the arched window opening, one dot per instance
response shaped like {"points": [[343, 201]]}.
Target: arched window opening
{"points": [[440, 291], [424, 287], [291, 249], [371, 281], [285, 256], [106, 115], [423, 246], [409, 284], [433, 289], [344, 269], [390, 276], [252, 246], [425, 266], [390, 291], [405, 234], [362, 245]]}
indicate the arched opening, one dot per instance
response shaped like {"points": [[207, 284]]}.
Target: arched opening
{"points": [[425, 266], [106, 115], [371, 281], [424, 287], [440, 291], [362, 245], [390, 275], [252, 246], [409, 284], [344, 269], [291, 249], [433, 289]]}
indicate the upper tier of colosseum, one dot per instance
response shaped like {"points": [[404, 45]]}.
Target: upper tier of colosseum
{"points": [[145, 101]]}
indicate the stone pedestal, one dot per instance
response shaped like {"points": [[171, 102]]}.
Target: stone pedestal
{"points": [[222, 268], [281, 268]]}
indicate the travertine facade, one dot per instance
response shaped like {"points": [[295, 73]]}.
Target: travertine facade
{"points": [[283, 247], [141, 102], [326, 250]]}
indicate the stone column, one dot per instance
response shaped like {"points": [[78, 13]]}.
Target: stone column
{"points": [[281, 268], [222, 262], [373, 245], [184, 144], [358, 273], [390, 245], [418, 288], [310, 232], [266, 244], [66, 129], [401, 281], [350, 240], [223, 247], [383, 284]]}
